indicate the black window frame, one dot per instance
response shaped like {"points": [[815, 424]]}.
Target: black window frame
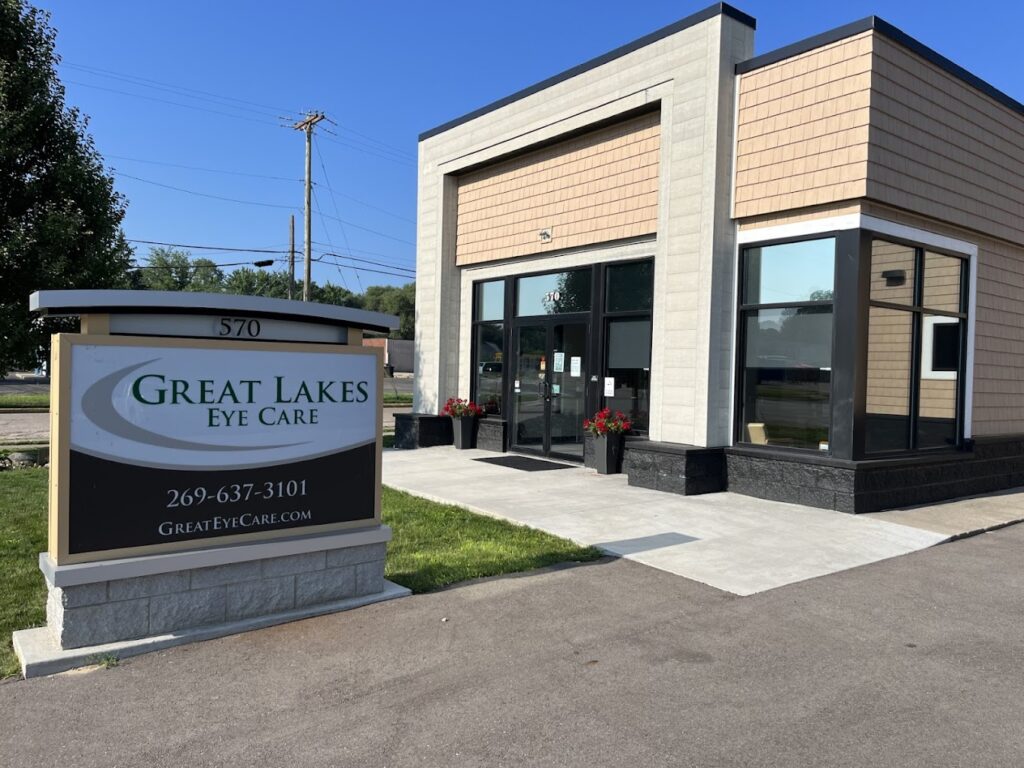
{"points": [[473, 336], [595, 317], [742, 309], [852, 302], [918, 311], [605, 317]]}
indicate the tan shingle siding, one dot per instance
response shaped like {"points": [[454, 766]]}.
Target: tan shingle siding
{"points": [[598, 187], [803, 128], [942, 148]]}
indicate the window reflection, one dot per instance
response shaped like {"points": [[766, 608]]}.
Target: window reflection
{"points": [[790, 272], [890, 341], [787, 377], [892, 272], [553, 294], [490, 359]]}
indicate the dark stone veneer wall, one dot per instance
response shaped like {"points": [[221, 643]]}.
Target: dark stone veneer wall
{"points": [[993, 464]]}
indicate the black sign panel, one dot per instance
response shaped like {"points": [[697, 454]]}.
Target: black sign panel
{"points": [[120, 505]]}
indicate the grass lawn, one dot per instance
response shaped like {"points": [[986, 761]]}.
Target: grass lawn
{"points": [[434, 545], [22, 538], [397, 398], [33, 400]]}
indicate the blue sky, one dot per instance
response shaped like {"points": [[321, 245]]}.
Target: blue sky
{"points": [[384, 72]]}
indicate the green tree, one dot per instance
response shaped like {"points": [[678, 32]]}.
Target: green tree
{"points": [[257, 282], [168, 269], [329, 293], [60, 218], [394, 300]]}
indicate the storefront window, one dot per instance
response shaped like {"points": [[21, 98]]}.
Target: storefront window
{"points": [[489, 345], [629, 365], [915, 348], [786, 355], [629, 287]]}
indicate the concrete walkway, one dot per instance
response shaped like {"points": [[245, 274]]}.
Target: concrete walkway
{"points": [[735, 543], [961, 517]]}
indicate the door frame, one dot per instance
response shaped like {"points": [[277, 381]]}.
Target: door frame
{"points": [[548, 323]]}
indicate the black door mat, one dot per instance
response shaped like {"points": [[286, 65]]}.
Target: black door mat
{"points": [[525, 463]]}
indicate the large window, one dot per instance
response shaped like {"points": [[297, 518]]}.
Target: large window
{"points": [[629, 297], [489, 344], [786, 350], [916, 338]]}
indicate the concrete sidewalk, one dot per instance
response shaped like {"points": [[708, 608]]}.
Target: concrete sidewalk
{"points": [[732, 542]]}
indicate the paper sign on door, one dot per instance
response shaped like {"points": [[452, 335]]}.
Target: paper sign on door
{"points": [[575, 363], [609, 386], [559, 362]]}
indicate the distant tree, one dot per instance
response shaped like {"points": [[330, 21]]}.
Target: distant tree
{"points": [[253, 282], [168, 269], [60, 219], [394, 300], [335, 294]]}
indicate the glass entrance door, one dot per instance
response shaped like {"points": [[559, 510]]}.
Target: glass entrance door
{"points": [[549, 388]]}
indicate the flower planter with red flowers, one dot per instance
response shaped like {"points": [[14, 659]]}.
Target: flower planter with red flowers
{"points": [[608, 430], [464, 414]]}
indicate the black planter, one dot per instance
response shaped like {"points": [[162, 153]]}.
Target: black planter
{"points": [[608, 453], [464, 431]]}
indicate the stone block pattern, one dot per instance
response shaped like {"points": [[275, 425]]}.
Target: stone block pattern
{"points": [[682, 469], [873, 486], [490, 434], [124, 609]]}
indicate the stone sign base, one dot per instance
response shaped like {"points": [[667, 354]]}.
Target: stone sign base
{"points": [[134, 605]]}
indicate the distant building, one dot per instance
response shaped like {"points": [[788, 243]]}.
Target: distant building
{"points": [[801, 273]]}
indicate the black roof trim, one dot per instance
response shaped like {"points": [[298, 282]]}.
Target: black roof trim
{"points": [[896, 35], [718, 9]]}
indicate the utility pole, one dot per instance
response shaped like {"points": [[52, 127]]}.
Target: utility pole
{"points": [[307, 124], [291, 257]]}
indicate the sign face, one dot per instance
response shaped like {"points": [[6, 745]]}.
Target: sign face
{"points": [[172, 443], [559, 362], [574, 365], [609, 386]]}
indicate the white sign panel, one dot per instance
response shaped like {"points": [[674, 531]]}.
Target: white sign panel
{"points": [[559, 362], [213, 408], [609, 386]]}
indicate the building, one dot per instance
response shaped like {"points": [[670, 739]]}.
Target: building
{"points": [[801, 273]]}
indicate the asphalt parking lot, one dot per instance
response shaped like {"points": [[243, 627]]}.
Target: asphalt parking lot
{"points": [[911, 661]]}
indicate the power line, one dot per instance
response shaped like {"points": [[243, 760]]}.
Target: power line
{"points": [[143, 81], [204, 194], [364, 251], [224, 248], [357, 201], [327, 234], [344, 234], [391, 147], [367, 269], [173, 103], [367, 261], [198, 168], [369, 151], [193, 265]]}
